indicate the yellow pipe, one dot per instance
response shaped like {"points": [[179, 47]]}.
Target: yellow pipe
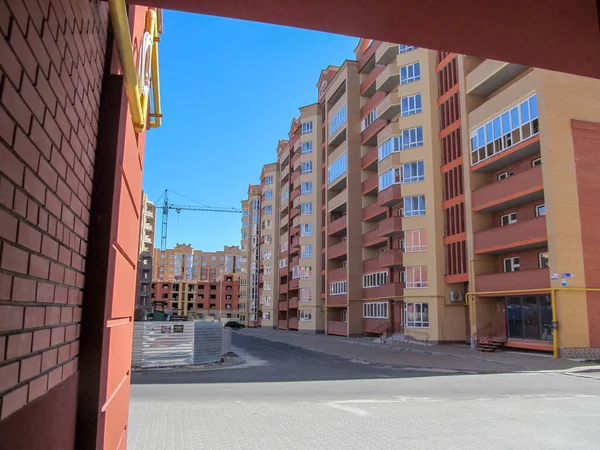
{"points": [[157, 115], [554, 320], [120, 23]]}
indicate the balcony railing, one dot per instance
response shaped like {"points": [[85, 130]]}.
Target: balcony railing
{"points": [[294, 194], [369, 134], [337, 225], [517, 189], [293, 302], [386, 53], [522, 279], [374, 212], [389, 106], [373, 239], [282, 324], [390, 196], [337, 300], [283, 305], [392, 257], [293, 284], [388, 79], [283, 288], [337, 250], [369, 161], [369, 186], [369, 86], [391, 226], [337, 328], [528, 234], [385, 291], [371, 265], [293, 323], [294, 212], [339, 274]]}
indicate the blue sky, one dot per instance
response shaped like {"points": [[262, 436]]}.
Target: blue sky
{"points": [[229, 90]]}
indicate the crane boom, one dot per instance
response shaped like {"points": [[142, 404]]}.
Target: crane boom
{"points": [[166, 206]]}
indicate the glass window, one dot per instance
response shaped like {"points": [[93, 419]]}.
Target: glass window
{"points": [[307, 147], [306, 208], [268, 180], [414, 206], [411, 105], [306, 229], [268, 195], [307, 127], [543, 260], [306, 188], [402, 48], [337, 168], [416, 315], [306, 167], [540, 210], [512, 264], [514, 317], [338, 120]]}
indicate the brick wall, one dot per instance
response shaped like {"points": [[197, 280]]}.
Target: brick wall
{"points": [[51, 57]]}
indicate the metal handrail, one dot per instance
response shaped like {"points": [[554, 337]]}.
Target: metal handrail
{"points": [[417, 333]]}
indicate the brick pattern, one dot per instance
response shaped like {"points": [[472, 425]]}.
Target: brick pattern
{"points": [[51, 60]]}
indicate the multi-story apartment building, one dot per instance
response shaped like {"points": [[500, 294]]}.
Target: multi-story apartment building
{"points": [[145, 255], [269, 246], [185, 263], [199, 299], [251, 227]]}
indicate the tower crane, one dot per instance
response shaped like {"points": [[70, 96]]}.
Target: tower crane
{"points": [[166, 206]]}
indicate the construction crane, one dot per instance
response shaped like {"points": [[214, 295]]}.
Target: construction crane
{"points": [[166, 206]]}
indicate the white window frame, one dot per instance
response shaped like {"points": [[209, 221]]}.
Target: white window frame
{"points": [[305, 229], [408, 138], [410, 73], [268, 269], [267, 254], [514, 264], [411, 104], [306, 167], [375, 310], [307, 147], [305, 295], [338, 120], [307, 127], [409, 172], [337, 168], [268, 194], [536, 162], [403, 48], [415, 284], [540, 210], [306, 209], [266, 315], [375, 279], [306, 251], [338, 287], [409, 211], [505, 175], [305, 316], [267, 286], [269, 179], [269, 209], [283, 263], [416, 236], [368, 119], [541, 257], [508, 219], [306, 188], [420, 318]]}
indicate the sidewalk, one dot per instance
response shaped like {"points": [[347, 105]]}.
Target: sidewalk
{"points": [[439, 357]]}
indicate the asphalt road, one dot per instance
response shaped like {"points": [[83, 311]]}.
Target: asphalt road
{"points": [[289, 398]]}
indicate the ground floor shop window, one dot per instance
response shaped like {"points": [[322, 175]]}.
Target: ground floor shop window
{"points": [[529, 317]]}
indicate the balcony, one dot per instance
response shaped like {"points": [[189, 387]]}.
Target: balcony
{"points": [[295, 159], [389, 106], [337, 250], [337, 301], [389, 290], [339, 274], [369, 135], [391, 226], [373, 239], [339, 136], [295, 230], [369, 186], [368, 87], [149, 214], [293, 323], [294, 194], [386, 53], [283, 288], [282, 324], [491, 75], [294, 245], [388, 79], [293, 284], [371, 265], [295, 261], [392, 257], [514, 190], [295, 176], [293, 303], [369, 161], [283, 222], [373, 212], [338, 202], [390, 196], [147, 239], [521, 235], [523, 279], [517, 152], [148, 227], [294, 212], [337, 328], [283, 271], [337, 226], [285, 172]]}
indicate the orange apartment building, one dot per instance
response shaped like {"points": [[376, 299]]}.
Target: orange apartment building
{"points": [[250, 246], [143, 303]]}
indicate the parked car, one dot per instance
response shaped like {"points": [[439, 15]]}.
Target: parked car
{"points": [[234, 325]]}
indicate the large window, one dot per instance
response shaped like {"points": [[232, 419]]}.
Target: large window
{"points": [[302, 272], [267, 254], [266, 315], [375, 310], [414, 206], [285, 195], [409, 138], [375, 279], [505, 130], [305, 295], [368, 119], [409, 172], [411, 105], [338, 120], [306, 251], [416, 277], [306, 188], [307, 128], [338, 287], [338, 168], [307, 147], [306, 208], [416, 315], [268, 209], [529, 317], [306, 229], [268, 194], [410, 73], [268, 180], [415, 241], [402, 48], [306, 167]]}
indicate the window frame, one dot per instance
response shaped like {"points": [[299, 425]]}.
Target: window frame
{"points": [[539, 208], [515, 264], [375, 310], [420, 310], [510, 221]]}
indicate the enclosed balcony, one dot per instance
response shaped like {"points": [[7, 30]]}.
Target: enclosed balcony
{"points": [[391, 226], [388, 79], [517, 189], [390, 196], [339, 250], [283, 271], [523, 149], [491, 75], [337, 328], [337, 226], [369, 186], [522, 279], [373, 212], [392, 257], [386, 53], [373, 239], [521, 235]]}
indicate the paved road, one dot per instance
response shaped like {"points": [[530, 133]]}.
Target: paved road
{"points": [[289, 398]]}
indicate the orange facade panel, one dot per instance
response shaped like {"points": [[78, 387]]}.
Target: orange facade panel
{"points": [[521, 235]]}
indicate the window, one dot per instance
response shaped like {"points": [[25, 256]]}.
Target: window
{"points": [[504, 175], [368, 119], [307, 147], [305, 295], [375, 310], [540, 210], [268, 209], [306, 208], [306, 167], [267, 286], [536, 162], [409, 138], [414, 206], [375, 279], [512, 264], [283, 246], [266, 315], [306, 251], [243, 282], [338, 168], [269, 179], [307, 128], [268, 239], [410, 73], [268, 194], [410, 105], [302, 272], [306, 188], [415, 241], [338, 120], [410, 172], [508, 219], [416, 315], [266, 224], [406, 48], [285, 195], [543, 260], [267, 254], [338, 287], [505, 130], [416, 277], [268, 269], [305, 316], [245, 213], [283, 263], [306, 229]]}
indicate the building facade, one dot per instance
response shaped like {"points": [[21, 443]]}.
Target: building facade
{"points": [[268, 242], [143, 303], [250, 244]]}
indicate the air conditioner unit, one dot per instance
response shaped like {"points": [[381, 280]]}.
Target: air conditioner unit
{"points": [[456, 297], [345, 264]]}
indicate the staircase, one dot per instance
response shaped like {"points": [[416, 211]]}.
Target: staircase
{"points": [[486, 341]]}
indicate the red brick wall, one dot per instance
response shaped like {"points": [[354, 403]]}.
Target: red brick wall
{"points": [[51, 57]]}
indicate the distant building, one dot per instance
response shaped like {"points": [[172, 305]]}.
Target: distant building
{"points": [[145, 251]]}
